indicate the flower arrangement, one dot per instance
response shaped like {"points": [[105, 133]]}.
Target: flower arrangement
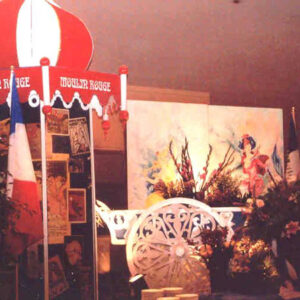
{"points": [[276, 214], [252, 267], [217, 188], [276, 218], [243, 264], [216, 252], [249, 260]]}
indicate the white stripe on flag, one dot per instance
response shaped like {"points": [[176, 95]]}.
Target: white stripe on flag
{"points": [[20, 163]]}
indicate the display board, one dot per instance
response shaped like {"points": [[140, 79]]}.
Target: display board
{"points": [[155, 124], [57, 106]]}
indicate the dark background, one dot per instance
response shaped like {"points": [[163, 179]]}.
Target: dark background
{"points": [[244, 53]]}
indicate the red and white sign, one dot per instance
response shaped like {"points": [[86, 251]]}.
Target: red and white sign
{"points": [[64, 83], [27, 80], [86, 84]]}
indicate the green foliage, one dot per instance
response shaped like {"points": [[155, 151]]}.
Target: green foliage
{"points": [[6, 206], [225, 191], [280, 214]]}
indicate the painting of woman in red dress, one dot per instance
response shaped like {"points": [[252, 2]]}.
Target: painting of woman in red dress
{"points": [[254, 166]]}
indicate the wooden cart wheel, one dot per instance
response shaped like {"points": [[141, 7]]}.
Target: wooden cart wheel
{"points": [[157, 244]]}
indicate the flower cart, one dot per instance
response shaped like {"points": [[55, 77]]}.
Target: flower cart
{"points": [[157, 239]]}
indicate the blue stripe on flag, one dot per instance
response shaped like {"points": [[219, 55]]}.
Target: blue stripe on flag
{"points": [[292, 143], [16, 111], [277, 163]]}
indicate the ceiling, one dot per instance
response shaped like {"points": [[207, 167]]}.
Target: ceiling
{"points": [[245, 53]]}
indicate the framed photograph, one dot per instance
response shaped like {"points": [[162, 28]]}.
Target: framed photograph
{"points": [[57, 280], [58, 121], [73, 247], [34, 138], [76, 165], [77, 205], [79, 136]]}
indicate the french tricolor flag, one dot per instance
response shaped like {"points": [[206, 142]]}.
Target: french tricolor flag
{"points": [[293, 164], [21, 184]]}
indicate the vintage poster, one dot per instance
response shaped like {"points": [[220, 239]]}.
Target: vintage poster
{"points": [[256, 135], [253, 135], [79, 136], [57, 279], [151, 128], [34, 138], [76, 165], [103, 250], [4, 136], [58, 121], [34, 267], [57, 185], [37, 167], [73, 247], [77, 205]]}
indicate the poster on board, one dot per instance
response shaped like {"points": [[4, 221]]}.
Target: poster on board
{"points": [[57, 185]]}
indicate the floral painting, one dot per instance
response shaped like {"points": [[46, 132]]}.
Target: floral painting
{"points": [[151, 128], [186, 146], [256, 135]]}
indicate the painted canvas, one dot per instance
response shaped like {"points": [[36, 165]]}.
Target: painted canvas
{"points": [[256, 136], [166, 141], [152, 127]]}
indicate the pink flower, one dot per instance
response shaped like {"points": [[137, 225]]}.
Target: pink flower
{"points": [[260, 203], [292, 198], [202, 176], [292, 228]]}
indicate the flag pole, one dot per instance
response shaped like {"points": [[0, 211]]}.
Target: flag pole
{"points": [[10, 178], [46, 100], [8, 99], [293, 115], [93, 179]]}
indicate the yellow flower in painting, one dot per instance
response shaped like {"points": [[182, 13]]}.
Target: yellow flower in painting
{"points": [[154, 198]]}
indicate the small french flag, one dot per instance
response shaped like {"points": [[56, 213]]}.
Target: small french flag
{"points": [[293, 164], [26, 221]]}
